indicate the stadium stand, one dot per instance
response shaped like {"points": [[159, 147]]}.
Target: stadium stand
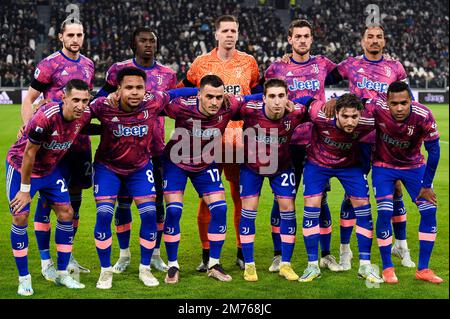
{"points": [[417, 33]]}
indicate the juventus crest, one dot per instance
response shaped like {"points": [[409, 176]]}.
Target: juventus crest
{"points": [[287, 125]]}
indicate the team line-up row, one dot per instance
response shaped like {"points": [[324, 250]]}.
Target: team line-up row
{"points": [[131, 136]]}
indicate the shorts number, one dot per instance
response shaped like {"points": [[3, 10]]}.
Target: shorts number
{"points": [[63, 185], [88, 166], [216, 177], [286, 177], [150, 178]]}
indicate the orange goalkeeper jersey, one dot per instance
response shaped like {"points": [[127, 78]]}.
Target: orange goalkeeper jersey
{"points": [[240, 74]]}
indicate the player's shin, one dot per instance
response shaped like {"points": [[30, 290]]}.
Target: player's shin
{"points": [[19, 243], [247, 234], [399, 221], [148, 231], [288, 230], [172, 231], [311, 232], [42, 230], [275, 223], [123, 221], [347, 221], [384, 231], [325, 225], [63, 241], [217, 230], [427, 232], [75, 202], [102, 232], [364, 232]]}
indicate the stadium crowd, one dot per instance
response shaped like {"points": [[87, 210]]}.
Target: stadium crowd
{"points": [[417, 33]]}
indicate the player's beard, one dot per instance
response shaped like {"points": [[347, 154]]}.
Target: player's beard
{"points": [[302, 53], [68, 48]]}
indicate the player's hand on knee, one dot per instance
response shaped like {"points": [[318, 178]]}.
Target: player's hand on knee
{"points": [[20, 201], [113, 99], [329, 108], [428, 194]]}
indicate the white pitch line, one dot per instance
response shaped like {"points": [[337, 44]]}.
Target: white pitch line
{"points": [[444, 142]]}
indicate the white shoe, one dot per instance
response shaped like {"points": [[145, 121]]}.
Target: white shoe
{"points": [[275, 267], [49, 272], [404, 255], [25, 288], [369, 273], [74, 266], [345, 260], [121, 265], [158, 263], [146, 276], [202, 267], [68, 281], [330, 262], [105, 280]]}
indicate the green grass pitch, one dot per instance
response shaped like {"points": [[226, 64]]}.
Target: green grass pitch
{"points": [[197, 285]]}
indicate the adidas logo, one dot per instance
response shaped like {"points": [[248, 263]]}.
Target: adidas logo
{"points": [[64, 73], [326, 132], [55, 133], [221, 185], [361, 70], [4, 98], [115, 119], [153, 189], [289, 73]]}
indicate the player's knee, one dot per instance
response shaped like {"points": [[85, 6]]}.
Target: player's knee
{"points": [[313, 201], [21, 220], [173, 212], [125, 201], [64, 213]]}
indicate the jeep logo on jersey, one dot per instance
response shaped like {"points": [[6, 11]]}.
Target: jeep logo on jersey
{"points": [[312, 85], [372, 85], [138, 130], [55, 146], [233, 89]]}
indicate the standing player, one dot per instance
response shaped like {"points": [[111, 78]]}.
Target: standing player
{"points": [[32, 165], [369, 75], [305, 75], [402, 127], [50, 77], [240, 73], [143, 43], [267, 133], [334, 153]]}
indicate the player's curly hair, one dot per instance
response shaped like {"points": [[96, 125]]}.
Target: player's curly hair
{"points": [[136, 33], [349, 100]]}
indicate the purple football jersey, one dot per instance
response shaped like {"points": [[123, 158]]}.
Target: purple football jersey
{"points": [[367, 79], [126, 139], [56, 70], [398, 144], [47, 128], [202, 132], [159, 78], [262, 135], [303, 79], [331, 146]]}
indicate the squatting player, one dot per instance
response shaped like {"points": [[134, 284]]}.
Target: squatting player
{"points": [[369, 75], [124, 159], [402, 127], [33, 165], [334, 152], [143, 43], [268, 129], [50, 77], [305, 75], [240, 73]]}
